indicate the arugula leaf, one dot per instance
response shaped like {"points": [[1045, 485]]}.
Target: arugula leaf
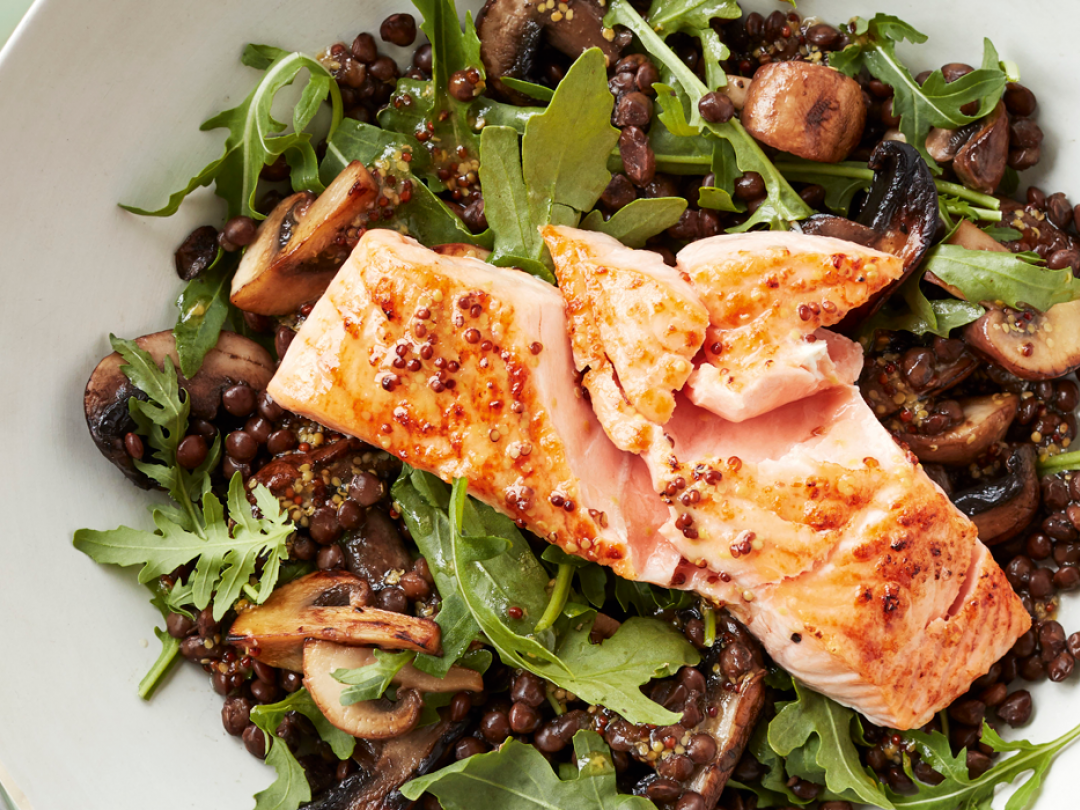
{"points": [[291, 789], [936, 103], [203, 306], [369, 682], [782, 204], [256, 139], [424, 216], [647, 599], [919, 315], [225, 562], [959, 790], [984, 275], [668, 16], [635, 223], [532, 90], [518, 777], [813, 719]]}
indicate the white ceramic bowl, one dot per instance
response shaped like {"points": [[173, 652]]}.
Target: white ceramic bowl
{"points": [[100, 103]]}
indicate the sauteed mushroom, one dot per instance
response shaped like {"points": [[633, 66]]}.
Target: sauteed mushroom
{"points": [[234, 359], [1003, 508], [986, 420]]}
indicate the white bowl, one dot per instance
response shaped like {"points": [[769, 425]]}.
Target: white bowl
{"points": [[100, 103]]}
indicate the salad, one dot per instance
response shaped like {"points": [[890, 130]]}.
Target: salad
{"points": [[379, 637]]}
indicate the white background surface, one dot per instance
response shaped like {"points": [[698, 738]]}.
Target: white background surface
{"points": [[100, 103]]}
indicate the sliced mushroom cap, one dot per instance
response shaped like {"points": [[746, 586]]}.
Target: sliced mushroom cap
{"points": [[1030, 344], [458, 679], [737, 705], [809, 110], [330, 606], [301, 245], [944, 144], [386, 765], [1003, 508], [980, 163], [511, 32], [986, 420], [234, 359], [901, 210], [378, 719]]}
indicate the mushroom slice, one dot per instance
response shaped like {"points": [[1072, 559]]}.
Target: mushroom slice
{"points": [[1003, 508], [809, 110], [986, 420], [980, 163], [386, 765], [511, 32], [463, 250], [370, 719], [234, 359], [901, 210], [1032, 345], [302, 244], [737, 707], [458, 679], [326, 605]]}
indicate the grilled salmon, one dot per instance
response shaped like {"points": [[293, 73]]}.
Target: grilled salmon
{"points": [[808, 521]]}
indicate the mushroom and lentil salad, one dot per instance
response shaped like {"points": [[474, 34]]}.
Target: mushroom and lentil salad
{"points": [[306, 571]]}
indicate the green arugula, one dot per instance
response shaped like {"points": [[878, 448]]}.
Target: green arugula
{"points": [[203, 309], [815, 735], [635, 223], [518, 777], [1062, 462], [257, 139], [936, 103], [695, 18], [909, 310], [371, 681], [291, 789], [170, 647], [648, 600], [782, 205], [530, 89], [958, 789], [984, 275]]}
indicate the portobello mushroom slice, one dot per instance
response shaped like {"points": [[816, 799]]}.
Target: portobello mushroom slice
{"points": [[320, 653], [1003, 508], [809, 110], [511, 32], [329, 606], [386, 765], [303, 242], [900, 216], [234, 359], [986, 420], [1032, 345]]}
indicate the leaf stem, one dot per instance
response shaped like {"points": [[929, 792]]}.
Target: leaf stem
{"points": [[170, 648], [559, 595], [710, 625], [1062, 462]]}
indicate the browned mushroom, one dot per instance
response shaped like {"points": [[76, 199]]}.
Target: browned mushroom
{"points": [[980, 163], [943, 145], [1003, 508], [736, 709], [899, 216], [458, 679], [326, 605], [301, 245], [1032, 345], [511, 32], [234, 359], [386, 765], [809, 110], [986, 420]]}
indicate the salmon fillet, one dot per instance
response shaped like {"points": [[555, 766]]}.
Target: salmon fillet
{"points": [[769, 297], [464, 370], [826, 539]]}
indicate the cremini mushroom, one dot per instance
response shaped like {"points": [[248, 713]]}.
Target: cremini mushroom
{"points": [[1032, 345], [809, 110], [330, 606], [511, 32], [1003, 508], [301, 245], [980, 162], [234, 359], [374, 719], [899, 216], [986, 420], [386, 765]]}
